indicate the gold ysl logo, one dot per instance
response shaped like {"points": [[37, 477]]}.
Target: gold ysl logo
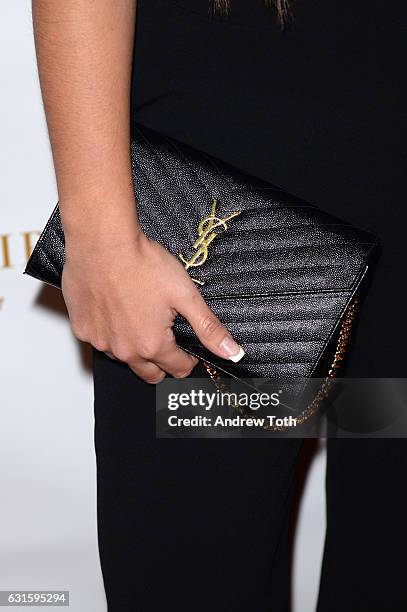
{"points": [[206, 235]]}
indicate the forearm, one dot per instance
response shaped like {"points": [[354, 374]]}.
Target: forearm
{"points": [[84, 54]]}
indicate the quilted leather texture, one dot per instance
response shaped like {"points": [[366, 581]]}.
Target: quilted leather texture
{"points": [[280, 276]]}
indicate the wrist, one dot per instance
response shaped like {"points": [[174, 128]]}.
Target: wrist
{"points": [[103, 237], [111, 221]]}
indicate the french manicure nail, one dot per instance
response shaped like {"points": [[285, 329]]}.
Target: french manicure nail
{"points": [[240, 354], [231, 349]]}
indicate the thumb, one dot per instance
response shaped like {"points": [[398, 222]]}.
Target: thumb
{"points": [[210, 331]]}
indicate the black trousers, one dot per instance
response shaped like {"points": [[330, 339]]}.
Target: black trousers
{"points": [[364, 567], [187, 524], [204, 523]]}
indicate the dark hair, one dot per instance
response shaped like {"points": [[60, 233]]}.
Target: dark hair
{"points": [[282, 8]]}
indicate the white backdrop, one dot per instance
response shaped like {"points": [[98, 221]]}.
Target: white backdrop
{"points": [[47, 466]]}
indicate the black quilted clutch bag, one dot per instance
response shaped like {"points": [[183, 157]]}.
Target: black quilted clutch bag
{"points": [[282, 275]]}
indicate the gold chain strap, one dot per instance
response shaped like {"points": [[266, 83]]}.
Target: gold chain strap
{"points": [[341, 348]]}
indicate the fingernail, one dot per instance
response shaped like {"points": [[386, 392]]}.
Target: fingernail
{"points": [[232, 349]]}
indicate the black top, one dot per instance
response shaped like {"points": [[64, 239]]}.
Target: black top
{"points": [[315, 109]]}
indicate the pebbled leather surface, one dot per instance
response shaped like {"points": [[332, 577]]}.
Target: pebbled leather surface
{"points": [[280, 277]]}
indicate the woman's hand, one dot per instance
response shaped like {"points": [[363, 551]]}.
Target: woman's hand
{"points": [[123, 299]]}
